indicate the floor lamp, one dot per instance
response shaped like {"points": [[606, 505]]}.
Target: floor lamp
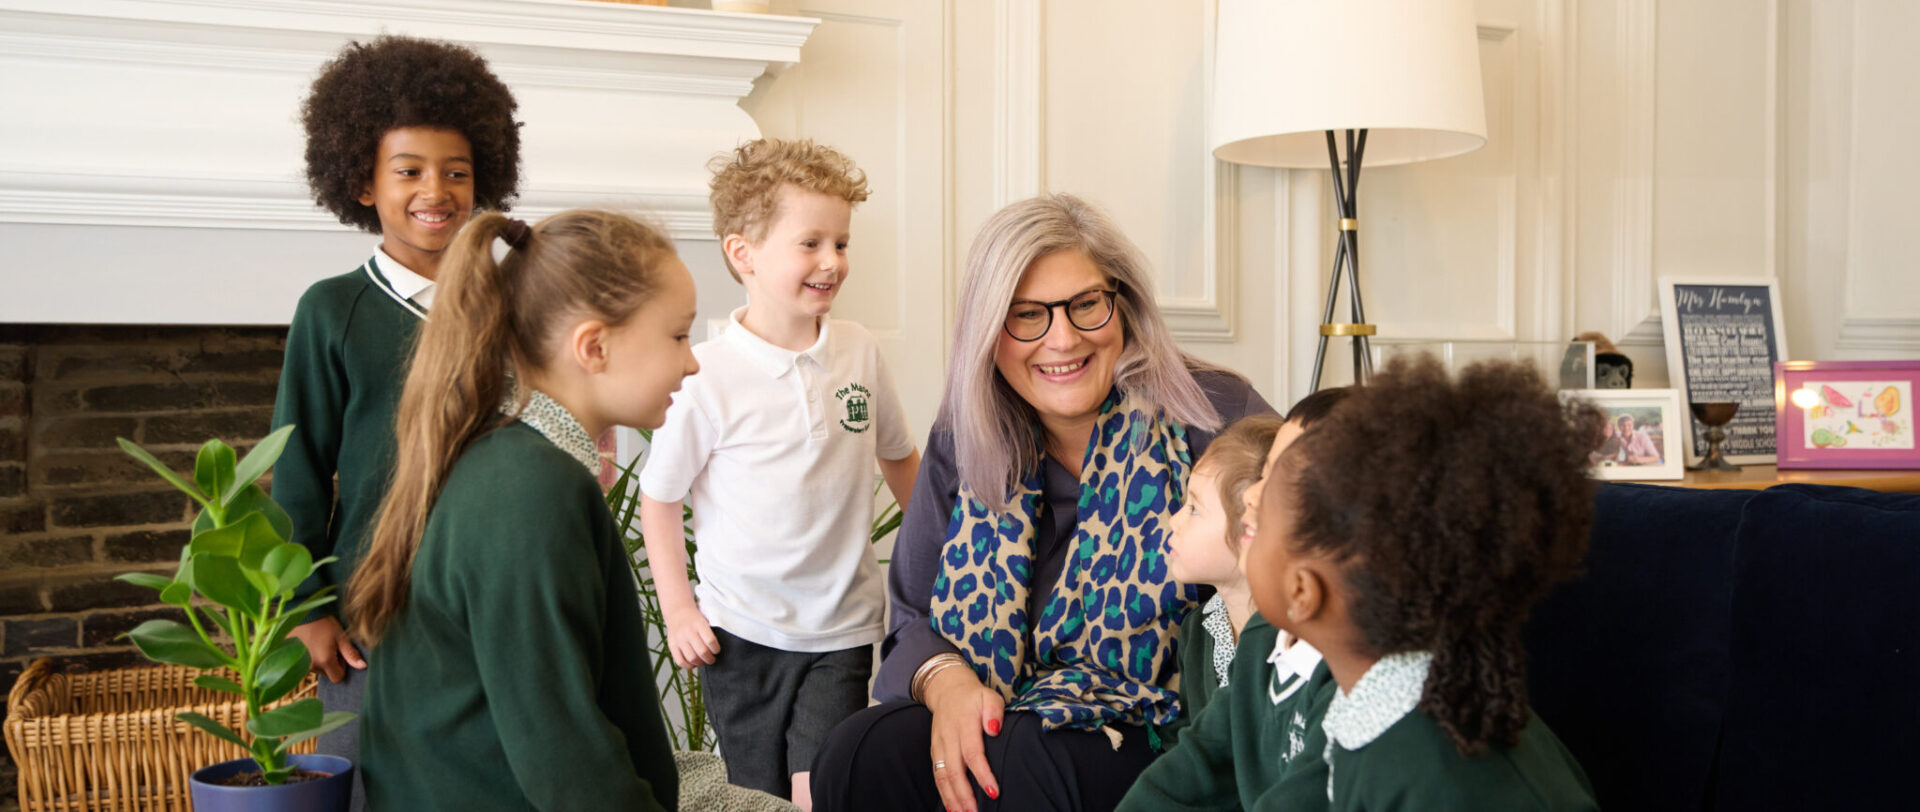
{"points": [[1393, 81]]}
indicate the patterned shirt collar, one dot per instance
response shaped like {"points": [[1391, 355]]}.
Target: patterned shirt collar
{"points": [[1387, 692], [1219, 626], [545, 415]]}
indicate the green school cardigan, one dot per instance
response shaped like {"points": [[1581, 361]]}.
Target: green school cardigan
{"points": [[517, 676]]}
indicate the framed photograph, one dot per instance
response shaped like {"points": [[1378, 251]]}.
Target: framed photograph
{"points": [[1846, 414], [1724, 334], [1641, 438]]}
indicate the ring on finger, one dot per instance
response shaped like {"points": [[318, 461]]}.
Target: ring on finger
{"points": [[939, 765]]}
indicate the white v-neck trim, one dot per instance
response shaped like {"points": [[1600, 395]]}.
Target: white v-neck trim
{"points": [[381, 271], [1292, 666]]}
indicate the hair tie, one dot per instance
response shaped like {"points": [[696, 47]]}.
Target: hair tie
{"points": [[516, 234]]}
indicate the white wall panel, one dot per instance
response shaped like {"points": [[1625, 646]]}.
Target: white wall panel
{"points": [[1881, 315], [872, 83]]}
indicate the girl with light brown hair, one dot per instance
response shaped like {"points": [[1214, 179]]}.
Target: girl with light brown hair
{"points": [[509, 665]]}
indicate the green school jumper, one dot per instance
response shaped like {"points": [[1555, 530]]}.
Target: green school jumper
{"points": [[517, 675], [1245, 750], [1199, 680], [346, 361], [1386, 755]]}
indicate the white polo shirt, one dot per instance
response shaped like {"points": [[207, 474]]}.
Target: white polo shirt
{"points": [[774, 450]]}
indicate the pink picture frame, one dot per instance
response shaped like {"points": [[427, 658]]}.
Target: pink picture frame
{"points": [[1846, 414]]}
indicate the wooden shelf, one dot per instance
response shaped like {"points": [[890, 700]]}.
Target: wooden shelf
{"points": [[1757, 477]]}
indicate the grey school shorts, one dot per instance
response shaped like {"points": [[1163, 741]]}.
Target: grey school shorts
{"points": [[773, 709]]}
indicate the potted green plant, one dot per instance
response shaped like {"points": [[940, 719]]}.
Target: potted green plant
{"points": [[236, 584]]}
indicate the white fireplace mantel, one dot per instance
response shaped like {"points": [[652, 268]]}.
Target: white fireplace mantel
{"points": [[123, 116]]}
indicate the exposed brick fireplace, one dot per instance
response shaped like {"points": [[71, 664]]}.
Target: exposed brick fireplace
{"points": [[74, 509]]}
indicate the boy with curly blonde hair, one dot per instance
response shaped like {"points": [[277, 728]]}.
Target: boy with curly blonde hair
{"points": [[774, 443]]}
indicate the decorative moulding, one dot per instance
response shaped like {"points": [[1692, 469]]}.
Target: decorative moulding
{"points": [[184, 113], [1879, 337], [585, 73]]}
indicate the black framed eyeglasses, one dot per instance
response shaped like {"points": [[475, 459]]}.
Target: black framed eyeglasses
{"points": [[1030, 320]]}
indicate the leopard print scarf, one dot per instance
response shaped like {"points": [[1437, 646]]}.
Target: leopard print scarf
{"points": [[1102, 650]]}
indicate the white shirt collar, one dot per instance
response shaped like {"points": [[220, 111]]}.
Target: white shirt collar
{"points": [[775, 361], [545, 415], [1292, 666], [405, 282], [1389, 691]]}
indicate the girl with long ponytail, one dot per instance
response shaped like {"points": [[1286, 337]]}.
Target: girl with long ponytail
{"points": [[509, 667]]}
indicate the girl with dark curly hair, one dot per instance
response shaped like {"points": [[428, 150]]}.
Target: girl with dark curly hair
{"points": [[405, 137], [1406, 536]]}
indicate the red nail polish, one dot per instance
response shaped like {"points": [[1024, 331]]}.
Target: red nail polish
{"points": [[993, 729], [993, 793]]}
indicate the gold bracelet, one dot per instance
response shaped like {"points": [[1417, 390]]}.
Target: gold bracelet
{"points": [[934, 665]]}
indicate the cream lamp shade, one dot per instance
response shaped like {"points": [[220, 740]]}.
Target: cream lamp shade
{"points": [[1287, 71]]}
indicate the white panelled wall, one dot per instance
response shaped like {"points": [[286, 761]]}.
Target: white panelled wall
{"points": [[1628, 140]]}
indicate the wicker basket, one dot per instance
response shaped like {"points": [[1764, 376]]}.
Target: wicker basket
{"points": [[108, 740]]}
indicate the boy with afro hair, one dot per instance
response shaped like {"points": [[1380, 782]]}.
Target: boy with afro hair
{"points": [[405, 137]]}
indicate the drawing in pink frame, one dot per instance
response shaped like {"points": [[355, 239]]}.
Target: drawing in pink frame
{"points": [[1846, 414]]}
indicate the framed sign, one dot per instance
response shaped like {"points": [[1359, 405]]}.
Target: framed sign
{"points": [[1640, 439], [1846, 414], [1723, 337]]}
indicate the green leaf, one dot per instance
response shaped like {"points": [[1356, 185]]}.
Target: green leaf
{"points": [[213, 468], [161, 468], [327, 725], [176, 644], [289, 564], [282, 670], [276, 776], [221, 541], [318, 600], [177, 594], [257, 463], [146, 579], [262, 581], [219, 620], [218, 730], [213, 683], [249, 539], [289, 719], [219, 579], [252, 499]]}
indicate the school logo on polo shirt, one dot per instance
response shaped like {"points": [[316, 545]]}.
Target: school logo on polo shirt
{"points": [[854, 397]]}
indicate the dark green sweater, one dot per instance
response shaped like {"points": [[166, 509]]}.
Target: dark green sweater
{"points": [[346, 361], [1413, 766], [1198, 682], [1243, 751], [517, 676]]}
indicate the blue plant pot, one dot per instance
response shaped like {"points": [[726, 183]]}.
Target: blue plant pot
{"points": [[329, 794]]}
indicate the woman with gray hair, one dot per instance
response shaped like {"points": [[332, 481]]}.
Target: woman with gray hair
{"points": [[1030, 661]]}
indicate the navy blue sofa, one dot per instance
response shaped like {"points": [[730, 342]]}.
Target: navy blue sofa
{"points": [[1739, 650]]}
